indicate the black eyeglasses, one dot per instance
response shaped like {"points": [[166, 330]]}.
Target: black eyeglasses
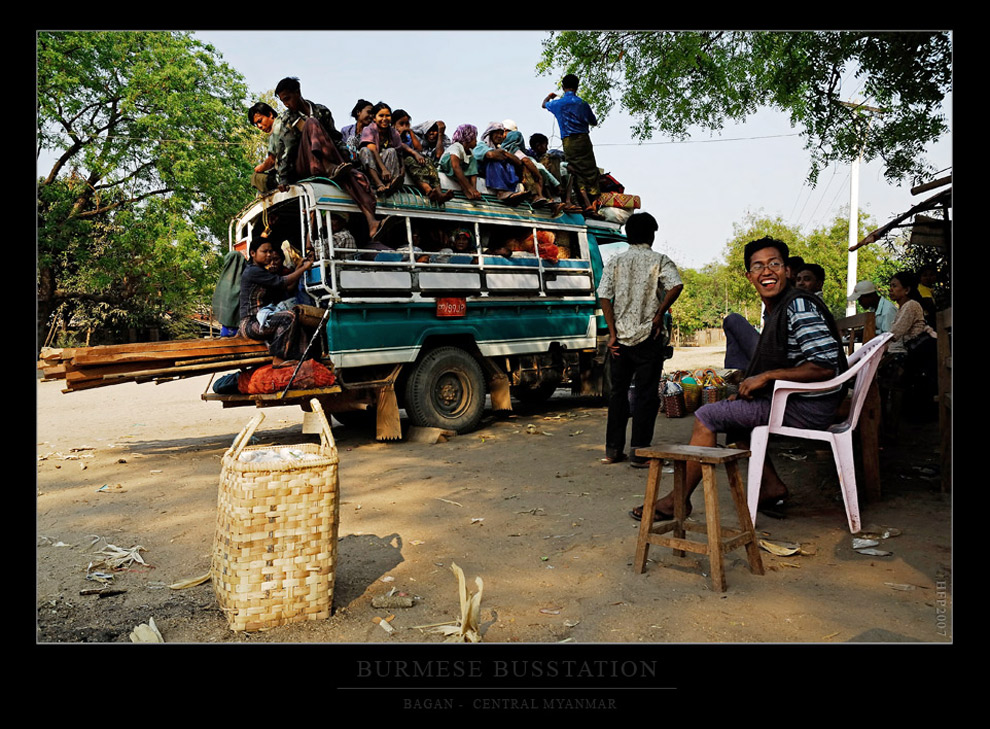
{"points": [[774, 265]]}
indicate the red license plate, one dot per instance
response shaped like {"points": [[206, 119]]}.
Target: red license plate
{"points": [[451, 307]]}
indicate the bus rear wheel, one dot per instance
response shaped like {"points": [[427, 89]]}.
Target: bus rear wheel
{"points": [[446, 389]]}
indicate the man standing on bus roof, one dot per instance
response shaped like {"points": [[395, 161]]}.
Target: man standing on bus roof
{"points": [[637, 289], [575, 117]]}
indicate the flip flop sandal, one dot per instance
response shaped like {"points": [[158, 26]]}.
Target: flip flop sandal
{"points": [[657, 515]]}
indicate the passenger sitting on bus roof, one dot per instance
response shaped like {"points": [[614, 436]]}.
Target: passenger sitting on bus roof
{"points": [[532, 178], [459, 163], [264, 117], [379, 151], [343, 240], [432, 138], [260, 288], [309, 145], [420, 167], [501, 169], [352, 132], [552, 161]]}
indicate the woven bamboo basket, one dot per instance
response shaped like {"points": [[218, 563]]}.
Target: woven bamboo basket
{"points": [[275, 548]]}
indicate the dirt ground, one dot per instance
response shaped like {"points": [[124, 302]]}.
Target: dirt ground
{"points": [[523, 503]]}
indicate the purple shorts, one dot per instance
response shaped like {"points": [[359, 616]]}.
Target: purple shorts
{"points": [[812, 413]]}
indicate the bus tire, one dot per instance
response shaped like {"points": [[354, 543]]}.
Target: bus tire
{"points": [[446, 389]]}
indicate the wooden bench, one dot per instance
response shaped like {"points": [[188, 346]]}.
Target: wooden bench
{"points": [[943, 325], [864, 325]]}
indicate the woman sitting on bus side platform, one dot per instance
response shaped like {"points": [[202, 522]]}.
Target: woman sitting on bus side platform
{"points": [[261, 291], [459, 163], [379, 151]]}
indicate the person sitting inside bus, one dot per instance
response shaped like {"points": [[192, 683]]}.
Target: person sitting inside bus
{"points": [[461, 247], [261, 292], [344, 244], [459, 163]]}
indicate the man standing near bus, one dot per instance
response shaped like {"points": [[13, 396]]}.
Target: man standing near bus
{"points": [[637, 289]]}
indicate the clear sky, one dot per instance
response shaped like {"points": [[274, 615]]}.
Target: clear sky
{"points": [[696, 189]]}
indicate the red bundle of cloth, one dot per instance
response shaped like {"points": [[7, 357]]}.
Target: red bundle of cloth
{"points": [[268, 379], [548, 250]]}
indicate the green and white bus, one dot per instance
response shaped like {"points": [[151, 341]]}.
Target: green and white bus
{"points": [[408, 317]]}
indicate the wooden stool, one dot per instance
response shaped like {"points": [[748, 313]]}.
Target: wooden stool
{"points": [[720, 540]]}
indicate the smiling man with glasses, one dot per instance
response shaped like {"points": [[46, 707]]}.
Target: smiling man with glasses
{"points": [[799, 343]]}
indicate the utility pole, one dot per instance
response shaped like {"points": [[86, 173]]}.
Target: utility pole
{"points": [[852, 256]]}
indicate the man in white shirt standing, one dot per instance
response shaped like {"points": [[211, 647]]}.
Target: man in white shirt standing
{"points": [[638, 286]]}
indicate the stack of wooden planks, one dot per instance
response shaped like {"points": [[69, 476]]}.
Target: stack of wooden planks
{"points": [[86, 367]]}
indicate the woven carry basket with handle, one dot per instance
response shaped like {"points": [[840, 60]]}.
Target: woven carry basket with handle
{"points": [[275, 549]]}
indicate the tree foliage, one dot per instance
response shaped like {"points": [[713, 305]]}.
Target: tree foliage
{"points": [[145, 133], [673, 81]]}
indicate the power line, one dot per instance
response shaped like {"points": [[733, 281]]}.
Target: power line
{"points": [[693, 141]]}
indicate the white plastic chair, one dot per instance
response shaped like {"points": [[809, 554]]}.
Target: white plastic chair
{"points": [[863, 365]]}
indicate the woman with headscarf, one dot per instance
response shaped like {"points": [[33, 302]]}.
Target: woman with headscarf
{"points": [[458, 161], [432, 139], [421, 168], [502, 171]]}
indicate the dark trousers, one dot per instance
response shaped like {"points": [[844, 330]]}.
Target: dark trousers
{"points": [[740, 341], [642, 366]]}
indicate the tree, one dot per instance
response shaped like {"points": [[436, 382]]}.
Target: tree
{"points": [[147, 134], [672, 81]]}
